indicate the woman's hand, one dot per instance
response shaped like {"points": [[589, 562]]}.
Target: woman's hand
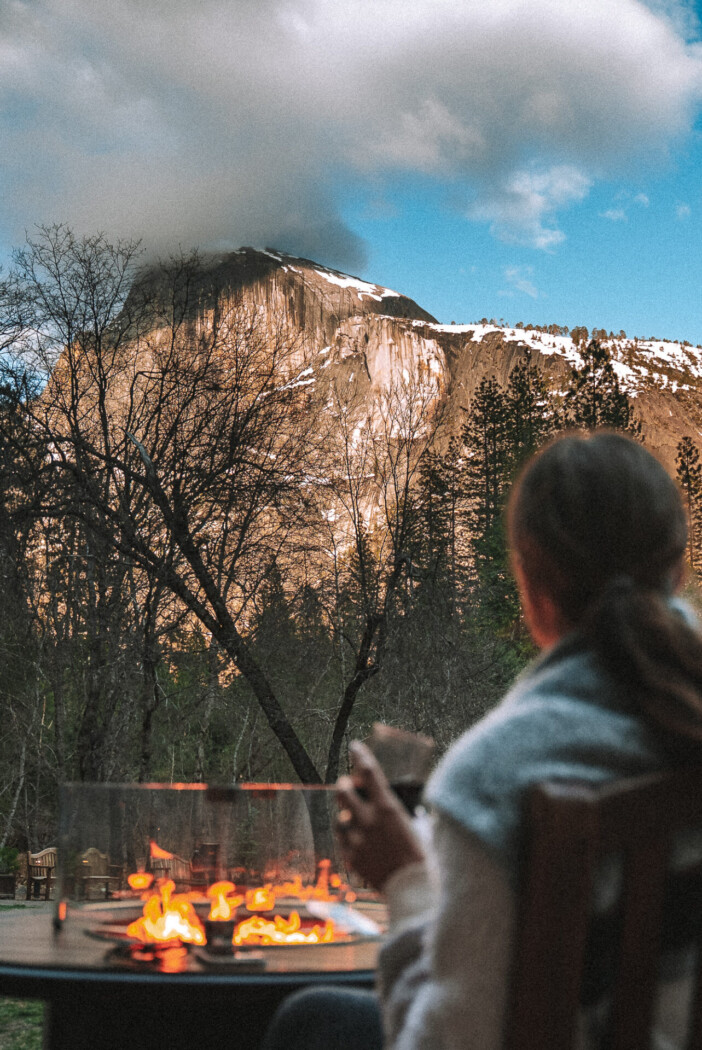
{"points": [[374, 829]]}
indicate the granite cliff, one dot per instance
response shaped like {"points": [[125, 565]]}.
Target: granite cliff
{"points": [[366, 334]]}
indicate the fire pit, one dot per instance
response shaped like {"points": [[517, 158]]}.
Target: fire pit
{"points": [[185, 914], [225, 873]]}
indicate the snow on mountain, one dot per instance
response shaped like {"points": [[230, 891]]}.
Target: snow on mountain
{"points": [[362, 287], [637, 363]]}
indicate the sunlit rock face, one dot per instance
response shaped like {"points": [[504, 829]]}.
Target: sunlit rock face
{"points": [[369, 337], [311, 298]]}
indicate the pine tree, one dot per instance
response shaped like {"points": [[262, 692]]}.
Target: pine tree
{"points": [[437, 548], [594, 398], [689, 475], [531, 414], [486, 473], [484, 437], [504, 428]]}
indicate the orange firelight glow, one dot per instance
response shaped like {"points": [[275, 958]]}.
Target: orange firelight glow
{"points": [[156, 851]]}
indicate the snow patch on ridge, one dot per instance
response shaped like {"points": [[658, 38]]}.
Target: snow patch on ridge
{"points": [[373, 291], [685, 358], [635, 362]]}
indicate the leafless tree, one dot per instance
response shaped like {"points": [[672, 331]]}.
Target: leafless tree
{"points": [[177, 433], [370, 516]]}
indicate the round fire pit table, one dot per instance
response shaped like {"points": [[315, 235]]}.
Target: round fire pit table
{"points": [[101, 999]]}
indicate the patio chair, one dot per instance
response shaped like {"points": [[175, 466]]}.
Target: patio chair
{"points": [[633, 842], [96, 875], [173, 867], [41, 873]]}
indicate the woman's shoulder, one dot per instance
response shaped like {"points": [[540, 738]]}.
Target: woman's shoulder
{"points": [[557, 696], [562, 719]]}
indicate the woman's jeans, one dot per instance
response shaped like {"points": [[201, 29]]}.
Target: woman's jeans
{"points": [[326, 1018]]}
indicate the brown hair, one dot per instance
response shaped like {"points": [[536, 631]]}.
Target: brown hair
{"points": [[598, 525]]}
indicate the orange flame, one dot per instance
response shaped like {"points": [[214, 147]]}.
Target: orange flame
{"points": [[264, 898], [258, 930], [140, 880], [223, 903], [321, 890], [168, 917], [261, 899], [156, 851]]}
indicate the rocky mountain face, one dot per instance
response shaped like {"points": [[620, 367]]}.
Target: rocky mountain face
{"points": [[369, 335]]}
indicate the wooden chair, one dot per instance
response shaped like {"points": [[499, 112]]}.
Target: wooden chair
{"points": [[41, 872], [97, 875], [173, 867], [566, 948]]}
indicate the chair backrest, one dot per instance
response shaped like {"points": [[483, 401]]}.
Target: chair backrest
{"points": [[95, 861], [630, 827], [45, 860], [173, 867]]}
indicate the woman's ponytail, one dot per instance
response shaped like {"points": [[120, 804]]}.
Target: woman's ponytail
{"points": [[645, 642]]}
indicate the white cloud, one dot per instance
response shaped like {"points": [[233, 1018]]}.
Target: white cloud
{"points": [[224, 123], [683, 211], [519, 277], [642, 199], [614, 215], [519, 208]]}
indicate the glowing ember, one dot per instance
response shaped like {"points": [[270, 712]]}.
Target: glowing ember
{"points": [[168, 917], [224, 903], [258, 930]]}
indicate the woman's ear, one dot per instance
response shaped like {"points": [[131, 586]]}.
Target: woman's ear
{"points": [[543, 617], [677, 576]]}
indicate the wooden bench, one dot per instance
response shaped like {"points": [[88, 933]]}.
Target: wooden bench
{"points": [[41, 872]]}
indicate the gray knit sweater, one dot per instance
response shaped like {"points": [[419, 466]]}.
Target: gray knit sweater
{"points": [[564, 718]]}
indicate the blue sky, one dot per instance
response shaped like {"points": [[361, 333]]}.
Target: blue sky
{"points": [[527, 161], [631, 257]]}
